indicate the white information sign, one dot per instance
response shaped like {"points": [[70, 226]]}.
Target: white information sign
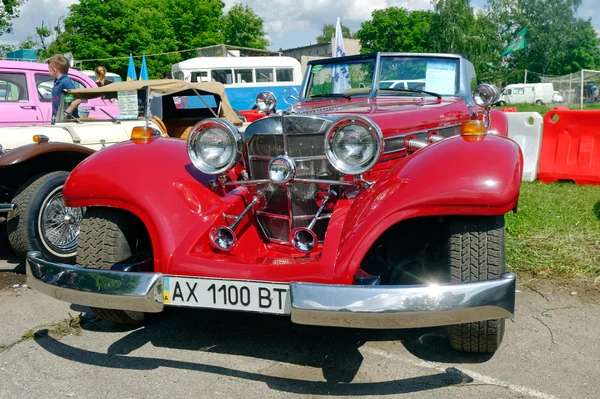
{"points": [[441, 77], [128, 104]]}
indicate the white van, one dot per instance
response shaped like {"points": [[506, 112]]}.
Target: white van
{"points": [[527, 93]]}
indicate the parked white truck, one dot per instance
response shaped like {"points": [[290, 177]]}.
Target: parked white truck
{"points": [[527, 93]]}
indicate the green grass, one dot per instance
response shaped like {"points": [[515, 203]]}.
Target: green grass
{"points": [[543, 109], [556, 231]]}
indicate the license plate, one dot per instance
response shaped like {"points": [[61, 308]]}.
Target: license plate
{"points": [[250, 296]]}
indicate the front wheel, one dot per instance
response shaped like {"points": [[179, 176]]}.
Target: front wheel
{"points": [[539, 102], [475, 251], [501, 103], [42, 222], [110, 236]]}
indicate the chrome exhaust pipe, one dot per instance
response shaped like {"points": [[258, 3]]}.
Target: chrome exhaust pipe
{"points": [[303, 238], [223, 237]]}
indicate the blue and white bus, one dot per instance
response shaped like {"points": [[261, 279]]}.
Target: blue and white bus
{"points": [[243, 77]]}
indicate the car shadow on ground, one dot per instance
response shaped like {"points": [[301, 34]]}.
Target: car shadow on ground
{"points": [[333, 350], [596, 210]]}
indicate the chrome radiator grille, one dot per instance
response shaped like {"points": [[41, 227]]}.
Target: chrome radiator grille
{"points": [[302, 139]]}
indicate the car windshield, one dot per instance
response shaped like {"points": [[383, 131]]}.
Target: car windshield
{"points": [[355, 77], [432, 74]]}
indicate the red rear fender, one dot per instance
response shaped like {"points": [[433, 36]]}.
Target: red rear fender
{"points": [[451, 177]]}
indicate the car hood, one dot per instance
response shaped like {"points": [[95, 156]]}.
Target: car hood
{"points": [[394, 115]]}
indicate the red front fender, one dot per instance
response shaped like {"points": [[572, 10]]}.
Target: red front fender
{"points": [[155, 181], [451, 177]]}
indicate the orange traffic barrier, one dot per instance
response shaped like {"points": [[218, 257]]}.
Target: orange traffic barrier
{"points": [[509, 109], [570, 147]]}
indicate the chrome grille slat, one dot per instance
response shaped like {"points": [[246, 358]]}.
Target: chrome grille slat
{"points": [[301, 138]]}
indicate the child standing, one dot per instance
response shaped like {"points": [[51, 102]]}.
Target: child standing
{"points": [[58, 68]]}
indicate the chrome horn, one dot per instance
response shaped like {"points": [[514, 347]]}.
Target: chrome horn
{"points": [[303, 238], [223, 237]]}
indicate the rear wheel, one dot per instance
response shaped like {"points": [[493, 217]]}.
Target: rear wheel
{"points": [[110, 236], [539, 102], [475, 251]]}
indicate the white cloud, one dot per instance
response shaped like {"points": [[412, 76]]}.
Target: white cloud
{"points": [[288, 23]]}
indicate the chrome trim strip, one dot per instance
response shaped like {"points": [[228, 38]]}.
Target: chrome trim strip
{"points": [[310, 217], [106, 289], [272, 215], [422, 131], [325, 182], [7, 207], [409, 306], [306, 158], [299, 181], [247, 182]]}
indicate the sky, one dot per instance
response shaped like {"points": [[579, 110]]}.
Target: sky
{"points": [[288, 23]]}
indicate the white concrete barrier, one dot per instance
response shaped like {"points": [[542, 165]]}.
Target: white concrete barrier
{"points": [[526, 129]]}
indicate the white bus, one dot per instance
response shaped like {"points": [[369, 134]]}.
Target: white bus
{"points": [[243, 77]]}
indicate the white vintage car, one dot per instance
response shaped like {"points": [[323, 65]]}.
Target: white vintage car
{"points": [[35, 161]]}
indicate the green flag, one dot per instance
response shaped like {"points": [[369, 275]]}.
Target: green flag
{"points": [[519, 43]]}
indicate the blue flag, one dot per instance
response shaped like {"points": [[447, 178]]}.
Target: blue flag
{"points": [[144, 69], [131, 75]]}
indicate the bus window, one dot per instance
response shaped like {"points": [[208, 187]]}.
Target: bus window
{"points": [[284, 74], [243, 75], [264, 75], [178, 75], [222, 75], [201, 76]]}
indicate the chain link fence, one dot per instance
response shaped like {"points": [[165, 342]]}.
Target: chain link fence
{"points": [[575, 90]]}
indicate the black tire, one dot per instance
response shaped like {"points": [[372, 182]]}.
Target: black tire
{"points": [[539, 102], [37, 200], [475, 251], [109, 236], [501, 103]]}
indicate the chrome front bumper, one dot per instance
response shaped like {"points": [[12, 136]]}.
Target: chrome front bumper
{"points": [[6, 207], [313, 304]]}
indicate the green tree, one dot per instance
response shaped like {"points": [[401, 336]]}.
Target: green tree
{"points": [[454, 26], [242, 27], [105, 29], [396, 29], [559, 41], [9, 10], [328, 30]]}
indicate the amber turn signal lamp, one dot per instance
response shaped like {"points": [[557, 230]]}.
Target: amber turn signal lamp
{"points": [[40, 138], [142, 133], [473, 128]]}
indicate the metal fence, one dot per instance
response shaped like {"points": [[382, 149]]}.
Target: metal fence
{"points": [[575, 90]]}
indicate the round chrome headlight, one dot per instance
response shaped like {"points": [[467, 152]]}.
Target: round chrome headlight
{"points": [[485, 95], [353, 144], [214, 146], [266, 101]]}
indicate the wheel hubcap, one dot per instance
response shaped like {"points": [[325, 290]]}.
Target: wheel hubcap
{"points": [[61, 224]]}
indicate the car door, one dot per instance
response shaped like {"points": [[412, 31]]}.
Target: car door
{"points": [[17, 107]]}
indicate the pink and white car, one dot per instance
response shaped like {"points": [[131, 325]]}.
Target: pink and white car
{"points": [[26, 94]]}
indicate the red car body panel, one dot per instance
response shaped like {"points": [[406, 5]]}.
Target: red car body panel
{"points": [[180, 218]]}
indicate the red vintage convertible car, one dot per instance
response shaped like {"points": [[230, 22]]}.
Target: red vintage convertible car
{"points": [[360, 206]]}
